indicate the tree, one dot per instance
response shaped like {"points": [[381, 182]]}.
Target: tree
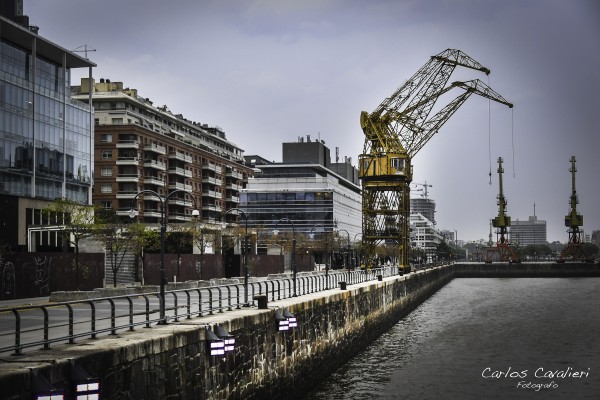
{"points": [[118, 239], [78, 221]]}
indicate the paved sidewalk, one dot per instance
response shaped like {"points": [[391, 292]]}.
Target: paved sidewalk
{"points": [[23, 302]]}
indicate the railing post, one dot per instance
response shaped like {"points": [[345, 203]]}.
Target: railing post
{"points": [[113, 331], [130, 313], [93, 318], [18, 333]]}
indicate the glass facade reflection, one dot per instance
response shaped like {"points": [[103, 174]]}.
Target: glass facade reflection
{"points": [[45, 136], [306, 209]]}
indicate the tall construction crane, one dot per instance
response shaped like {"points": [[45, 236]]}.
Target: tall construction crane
{"points": [[424, 189], [573, 221], [501, 223], [394, 132]]}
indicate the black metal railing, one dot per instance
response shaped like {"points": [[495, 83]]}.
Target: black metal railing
{"points": [[39, 326]]}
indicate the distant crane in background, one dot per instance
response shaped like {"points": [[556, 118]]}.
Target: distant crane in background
{"points": [[83, 49], [394, 132], [573, 221], [423, 189], [501, 223]]}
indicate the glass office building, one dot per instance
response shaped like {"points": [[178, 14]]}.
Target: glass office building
{"points": [[46, 137], [303, 198]]}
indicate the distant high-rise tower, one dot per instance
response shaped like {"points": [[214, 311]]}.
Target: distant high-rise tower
{"points": [[530, 232]]}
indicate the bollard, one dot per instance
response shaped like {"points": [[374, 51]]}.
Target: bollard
{"points": [[262, 301], [379, 278], [343, 285]]}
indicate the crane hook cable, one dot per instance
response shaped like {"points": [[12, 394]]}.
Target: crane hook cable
{"points": [[512, 134], [490, 133]]}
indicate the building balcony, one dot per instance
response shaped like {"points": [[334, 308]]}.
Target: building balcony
{"points": [[128, 178], [211, 193], [179, 217], [149, 197], [153, 180], [128, 144], [234, 186], [128, 161], [126, 195], [180, 202], [211, 167], [211, 207], [180, 171], [150, 214], [233, 199], [155, 164], [180, 186], [212, 181], [155, 148], [234, 175], [176, 155]]}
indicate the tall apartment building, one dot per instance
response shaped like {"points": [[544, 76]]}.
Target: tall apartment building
{"points": [[530, 232], [45, 135], [305, 190], [146, 153]]}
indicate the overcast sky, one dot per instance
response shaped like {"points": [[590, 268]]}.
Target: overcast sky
{"points": [[270, 71]]}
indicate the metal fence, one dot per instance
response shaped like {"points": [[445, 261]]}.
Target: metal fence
{"points": [[39, 326]]}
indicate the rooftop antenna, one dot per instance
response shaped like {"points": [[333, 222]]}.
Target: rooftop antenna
{"points": [[84, 48]]}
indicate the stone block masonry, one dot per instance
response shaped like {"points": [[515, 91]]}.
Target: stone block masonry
{"points": [[171, 361]]}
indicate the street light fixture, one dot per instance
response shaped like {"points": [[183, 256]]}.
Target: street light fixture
{"points": [[163, 229], [357, 253], [246, 304], [293, 248], [348, 251], [326, 255]]}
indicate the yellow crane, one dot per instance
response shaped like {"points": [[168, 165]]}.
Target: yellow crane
{"points": [[394, 132]]}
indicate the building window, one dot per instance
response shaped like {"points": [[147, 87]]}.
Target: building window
{"points": [[106, 138], [107, 205], [106, 189], [106, 171], [107, 155], [117, 121]]}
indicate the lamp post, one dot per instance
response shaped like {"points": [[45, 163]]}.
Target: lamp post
{"points": [[348, 251], [245, 252], [163, 229], [357, 253], [326, 255], [293, 248]]}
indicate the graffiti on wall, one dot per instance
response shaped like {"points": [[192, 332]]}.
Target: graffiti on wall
{"points": [[7, 285], [42, 274]]}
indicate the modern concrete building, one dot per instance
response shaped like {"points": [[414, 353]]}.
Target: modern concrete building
{"points": [[46, 137], [530, 232], [303, 194], [424, 206], [424, 235], [146, 153]]}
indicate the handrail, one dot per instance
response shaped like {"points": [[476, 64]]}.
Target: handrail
{"points": [[140, 311]]}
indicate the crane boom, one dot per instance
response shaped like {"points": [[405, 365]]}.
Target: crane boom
{"points": [[394, 132]]}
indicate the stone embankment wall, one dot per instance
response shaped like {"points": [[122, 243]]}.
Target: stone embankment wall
{"points": [[171, 361]]}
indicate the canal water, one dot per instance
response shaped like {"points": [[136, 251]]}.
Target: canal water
{"points": [[484, 338]]}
